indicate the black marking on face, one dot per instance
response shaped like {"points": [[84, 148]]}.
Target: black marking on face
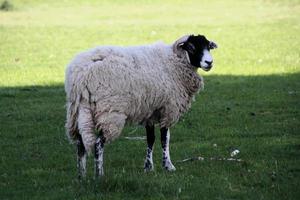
{"points": [[195, 45]]}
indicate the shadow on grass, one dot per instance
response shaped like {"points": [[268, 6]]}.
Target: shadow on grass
{"points": [[258, 114]]}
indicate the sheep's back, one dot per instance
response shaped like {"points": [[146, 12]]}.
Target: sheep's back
{"points": [[131, 80]]}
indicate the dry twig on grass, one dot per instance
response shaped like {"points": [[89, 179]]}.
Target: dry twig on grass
{"points": [[211, 158], [136, 138]]}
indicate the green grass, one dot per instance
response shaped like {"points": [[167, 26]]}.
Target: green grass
{"points": [[251, 100]]}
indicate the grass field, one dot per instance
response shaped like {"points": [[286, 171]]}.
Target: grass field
{"points": [[251, 100]]}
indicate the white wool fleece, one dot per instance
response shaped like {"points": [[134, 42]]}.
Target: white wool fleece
{"points": [[117, 85]]}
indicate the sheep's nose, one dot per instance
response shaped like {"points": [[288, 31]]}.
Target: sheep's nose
{"points": [[209, 62]]}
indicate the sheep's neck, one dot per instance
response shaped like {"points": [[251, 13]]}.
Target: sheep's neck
{"points": [[189, 79]]}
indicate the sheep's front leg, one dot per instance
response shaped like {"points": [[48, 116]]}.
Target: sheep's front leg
{"points": [[81, 158], [148, 166], [99, 150], [165, 139]]}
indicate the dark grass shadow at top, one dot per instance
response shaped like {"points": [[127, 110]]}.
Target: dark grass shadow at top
{"points": [[260, 115]]}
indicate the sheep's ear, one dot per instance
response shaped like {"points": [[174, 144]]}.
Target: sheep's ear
{"points": [[212, 45]]}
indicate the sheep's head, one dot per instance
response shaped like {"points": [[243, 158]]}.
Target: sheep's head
{"points": [[197, 49]]}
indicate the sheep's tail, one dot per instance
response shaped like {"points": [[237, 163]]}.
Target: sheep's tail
{"points": [[72, 118], [80, 121]]}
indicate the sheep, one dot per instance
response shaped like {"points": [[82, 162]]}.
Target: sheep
{"points": [[110, 86]]}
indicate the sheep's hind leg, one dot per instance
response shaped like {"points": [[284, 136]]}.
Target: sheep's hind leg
{"points": [[148, 166], [110, 126], [81, 158], [99, 150], [165, 140]]}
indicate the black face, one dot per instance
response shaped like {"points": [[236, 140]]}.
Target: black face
{"points": [[197, 46]]}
